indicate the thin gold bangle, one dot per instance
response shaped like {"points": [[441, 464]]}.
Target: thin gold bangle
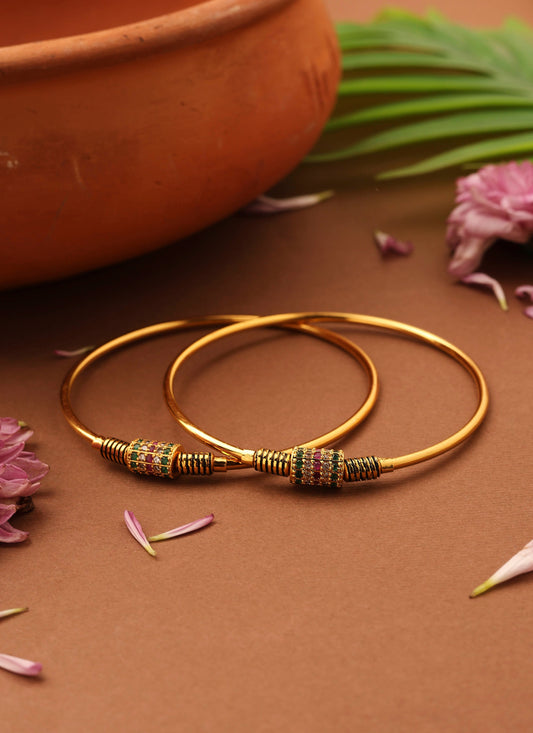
{"points": [[166, 459], [318, 467]]}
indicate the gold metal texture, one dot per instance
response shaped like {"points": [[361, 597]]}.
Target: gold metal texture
{"points": [[119, 451], [385, 464]]}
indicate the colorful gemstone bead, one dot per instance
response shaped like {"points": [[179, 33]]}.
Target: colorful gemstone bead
{"points": [[317, 467], [152, 458]]}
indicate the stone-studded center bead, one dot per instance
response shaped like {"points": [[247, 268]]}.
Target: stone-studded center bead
{"points": [[152, 457], [317, 467]]}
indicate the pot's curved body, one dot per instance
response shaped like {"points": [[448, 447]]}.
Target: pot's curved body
{"points": [[116, 142]]}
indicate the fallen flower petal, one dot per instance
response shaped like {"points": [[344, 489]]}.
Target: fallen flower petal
{"points": [[388, 244], [20, 666], [68, 353], [526, 291], [480, 278], [520, 563], [132, 523], [13, 611], [265, 205], [184, 529]]}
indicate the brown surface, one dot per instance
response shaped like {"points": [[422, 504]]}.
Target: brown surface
{"points": [[295, 611]]}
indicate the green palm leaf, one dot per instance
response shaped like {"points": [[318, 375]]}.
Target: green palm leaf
{"points": [[451, 80]]}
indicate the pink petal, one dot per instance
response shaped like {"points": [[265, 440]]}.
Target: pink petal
{"points": [[8, 453], [13, 431], [264, 205], [524, 291], [11, 535], [520, 563], [480, 278], [12, 611], [467, 255], [388, 244], [133, 524], [6, 512], [33, 467], [68, 353], [184, 529], [14, 481], [495, 202], [20, 666]]}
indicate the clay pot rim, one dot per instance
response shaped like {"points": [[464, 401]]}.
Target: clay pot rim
{"points": [[181, 28]]}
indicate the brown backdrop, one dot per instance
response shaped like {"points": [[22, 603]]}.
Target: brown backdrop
{"points": [[300, 611]]}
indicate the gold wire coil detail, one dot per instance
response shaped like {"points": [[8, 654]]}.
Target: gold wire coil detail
{"points": [[362, 469], [197, 464], [272, 461], [114, 450]]}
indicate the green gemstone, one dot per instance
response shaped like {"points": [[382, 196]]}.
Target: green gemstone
{"points": [[164, 469]]}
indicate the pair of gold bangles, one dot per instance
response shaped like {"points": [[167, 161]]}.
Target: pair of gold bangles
{"points": [[310, 463]]}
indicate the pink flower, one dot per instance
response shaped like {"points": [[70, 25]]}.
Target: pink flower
{"points": [[494, 203], [20, 475]]}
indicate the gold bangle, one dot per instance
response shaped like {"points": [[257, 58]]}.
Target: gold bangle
{"points": [[303, 464], [166, 459]]}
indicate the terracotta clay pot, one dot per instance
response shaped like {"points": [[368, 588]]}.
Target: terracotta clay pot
{"points": [[119, 134]]}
